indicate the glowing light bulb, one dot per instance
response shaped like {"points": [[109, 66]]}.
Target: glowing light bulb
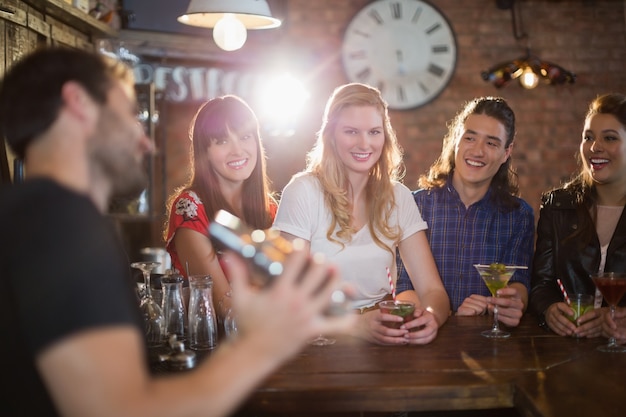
{"points": [[529, 79], [229, 33]]}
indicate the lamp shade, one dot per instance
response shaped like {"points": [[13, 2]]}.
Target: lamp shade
{"points": [[254, 14]]}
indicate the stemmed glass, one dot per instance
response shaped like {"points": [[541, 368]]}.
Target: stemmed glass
{"points": [[150, 309], [321, 340], [496, 276], [612, 285]]}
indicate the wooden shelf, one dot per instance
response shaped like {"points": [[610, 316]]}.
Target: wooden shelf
{"points": [[170, 45], [73, 17]]}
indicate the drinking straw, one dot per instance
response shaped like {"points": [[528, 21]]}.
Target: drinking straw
{"points": [[558, 281], [393, 289]]}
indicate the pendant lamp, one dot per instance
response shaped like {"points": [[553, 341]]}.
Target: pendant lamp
{"points": [[229, 19], [529, 69]]}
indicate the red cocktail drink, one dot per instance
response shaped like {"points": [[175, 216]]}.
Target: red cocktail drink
{"points": [[612, 285], [612, 289]]}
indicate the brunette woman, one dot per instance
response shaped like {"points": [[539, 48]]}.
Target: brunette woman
{"points": [[227, 172], [582, 226]]}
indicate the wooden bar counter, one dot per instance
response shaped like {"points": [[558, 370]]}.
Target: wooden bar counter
{"points": [[532, 373]]}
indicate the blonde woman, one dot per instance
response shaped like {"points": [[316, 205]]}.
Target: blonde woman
{"points": [[350, 206]]}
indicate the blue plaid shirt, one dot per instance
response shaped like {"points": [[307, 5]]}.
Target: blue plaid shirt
{"points": [[480, 234]]}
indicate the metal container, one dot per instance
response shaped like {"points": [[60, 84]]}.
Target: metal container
{"points": [[178, 359]]}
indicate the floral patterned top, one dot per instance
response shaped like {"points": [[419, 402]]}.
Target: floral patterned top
{"points": [[188, 212]]}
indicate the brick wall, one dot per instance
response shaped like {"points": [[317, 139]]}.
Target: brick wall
{"points": [[586, 37]]}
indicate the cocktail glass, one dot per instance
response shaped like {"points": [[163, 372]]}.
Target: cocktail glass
{"points": [[612, 285], [154, 321], [404, 309], [580, 304], [496, 276], [322, 340]]}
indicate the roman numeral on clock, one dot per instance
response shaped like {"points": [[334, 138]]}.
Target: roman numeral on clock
{"points": [[364, 74], [396, 10], [401, 94], [433, 28], [435, 70], [376, 16]]}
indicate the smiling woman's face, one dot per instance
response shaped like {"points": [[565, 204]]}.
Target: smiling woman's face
{"points": [[359, 137], [234, 157], [603, 148]]}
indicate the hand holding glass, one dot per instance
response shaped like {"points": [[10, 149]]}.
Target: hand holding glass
{"points": [[496, 276], [612, 285], [404, 309], [580, 304]]}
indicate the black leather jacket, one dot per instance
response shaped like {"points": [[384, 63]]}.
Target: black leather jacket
{"points": [[554, 258]]}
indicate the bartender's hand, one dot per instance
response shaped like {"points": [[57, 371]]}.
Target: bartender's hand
{"points": [[282, 317], [615, 327]]}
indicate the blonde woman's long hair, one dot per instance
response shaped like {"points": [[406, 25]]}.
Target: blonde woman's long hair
{"points": [[324, 163]]}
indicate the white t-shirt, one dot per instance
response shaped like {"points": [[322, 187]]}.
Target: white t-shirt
{"points": [[302, 212]]}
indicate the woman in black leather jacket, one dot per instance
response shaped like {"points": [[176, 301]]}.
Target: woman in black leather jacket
{"points": [[582, 226]]}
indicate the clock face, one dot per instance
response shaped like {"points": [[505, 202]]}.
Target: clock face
{"points": [[405, 48]]}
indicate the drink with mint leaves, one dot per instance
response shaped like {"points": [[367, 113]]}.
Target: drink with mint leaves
{"points": [[404, 309]]}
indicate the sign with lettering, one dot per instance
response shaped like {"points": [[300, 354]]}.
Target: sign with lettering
{"points": [[187, 83]]}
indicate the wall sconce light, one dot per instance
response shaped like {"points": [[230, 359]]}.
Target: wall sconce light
{"points": [[229, 19], [529, 69]]}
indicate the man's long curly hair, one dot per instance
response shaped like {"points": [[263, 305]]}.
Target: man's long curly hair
{"points": [[504, 184]]}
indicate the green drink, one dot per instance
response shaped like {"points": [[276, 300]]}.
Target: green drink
{"points": [[495, 285], [580, 304], [495, 276]]}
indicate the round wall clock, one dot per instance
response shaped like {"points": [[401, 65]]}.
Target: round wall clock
{"points": [[405, 48]]}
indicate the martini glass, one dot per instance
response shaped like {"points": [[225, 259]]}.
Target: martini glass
{"points": [[612, 285], [322, 340], [154, 322], [496, 276]]}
